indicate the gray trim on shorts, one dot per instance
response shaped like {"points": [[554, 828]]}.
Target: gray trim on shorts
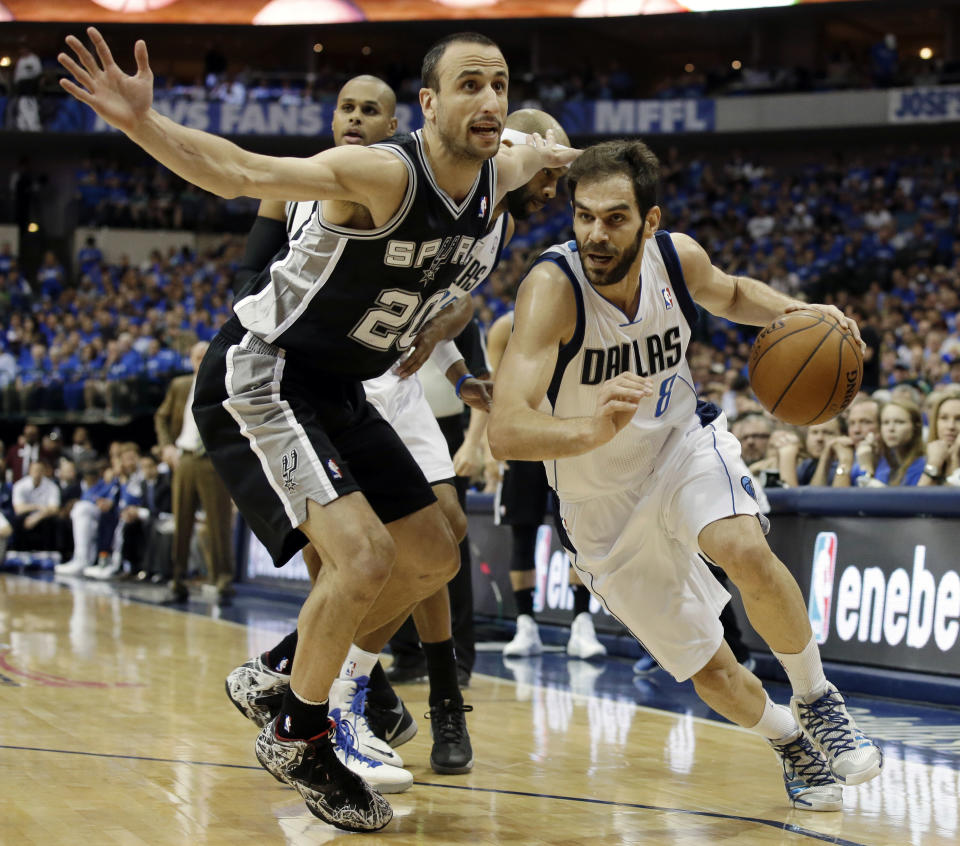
{"points": [[290, 464]]}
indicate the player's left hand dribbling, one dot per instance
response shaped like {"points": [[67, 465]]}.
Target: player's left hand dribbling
{"points": [[847, 323]]}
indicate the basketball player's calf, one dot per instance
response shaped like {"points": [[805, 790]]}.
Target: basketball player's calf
{"points": [[776, 609], [297, 747]]}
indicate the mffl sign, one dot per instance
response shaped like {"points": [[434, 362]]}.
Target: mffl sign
{"points": [[925, 105], [638, 117]]}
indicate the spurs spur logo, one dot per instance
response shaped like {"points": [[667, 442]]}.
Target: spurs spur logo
{"points": [[288, 467]]}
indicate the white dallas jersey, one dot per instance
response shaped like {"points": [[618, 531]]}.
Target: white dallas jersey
{"points": [[607, 342]]}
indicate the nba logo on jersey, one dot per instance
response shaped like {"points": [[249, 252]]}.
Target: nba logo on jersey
{"points": [[667, 298], [821, 584], [335, 472], [483, 207]]}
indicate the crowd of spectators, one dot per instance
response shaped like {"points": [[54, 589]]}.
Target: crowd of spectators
{"points": [[103, 340], [101, 516]]}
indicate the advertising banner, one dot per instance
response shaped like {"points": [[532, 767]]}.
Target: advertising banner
{"points": [[940, 104], [600, 117], [880, 592]]}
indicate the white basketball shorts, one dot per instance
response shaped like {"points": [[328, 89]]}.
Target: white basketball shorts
{"points": [[402, 404], [638, 551]]}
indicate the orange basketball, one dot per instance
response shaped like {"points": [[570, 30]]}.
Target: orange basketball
{"points": [[805, 367]]}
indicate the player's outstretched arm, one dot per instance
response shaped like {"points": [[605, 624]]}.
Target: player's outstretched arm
{"points": [[210, 162], [739, 298], [545, 318], [518, 164]]}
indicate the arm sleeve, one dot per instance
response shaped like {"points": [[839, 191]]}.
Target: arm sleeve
{"points": [[474, 351], [267, 237]]}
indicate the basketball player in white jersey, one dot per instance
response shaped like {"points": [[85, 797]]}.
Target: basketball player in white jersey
{"points": [[278, 400], [595, 384]]}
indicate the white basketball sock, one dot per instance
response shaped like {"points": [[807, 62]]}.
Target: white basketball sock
{"points": [[805, 671], [358, 663], [776, 723]]}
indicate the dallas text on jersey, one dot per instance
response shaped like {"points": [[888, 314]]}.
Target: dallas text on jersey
{"points": [[662, 353]]}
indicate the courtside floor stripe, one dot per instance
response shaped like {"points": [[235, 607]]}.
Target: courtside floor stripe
{"points": [[788, 827]]}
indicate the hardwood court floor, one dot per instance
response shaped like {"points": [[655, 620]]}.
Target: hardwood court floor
{"points": [[115, 730]]}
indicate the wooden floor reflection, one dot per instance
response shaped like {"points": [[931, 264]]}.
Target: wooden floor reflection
{"points": [[116, 730]]}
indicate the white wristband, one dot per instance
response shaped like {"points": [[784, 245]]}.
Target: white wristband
{"points": [[445, 354]]}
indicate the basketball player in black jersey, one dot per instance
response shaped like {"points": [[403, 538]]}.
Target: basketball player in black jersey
{"points": [[365, 114], [278, 400]]}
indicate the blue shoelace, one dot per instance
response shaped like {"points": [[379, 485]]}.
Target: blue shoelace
{"points": [[345, 739], [825, 720], [807, 764], [359, 701]]}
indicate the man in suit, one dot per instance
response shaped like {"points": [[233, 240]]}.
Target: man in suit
{"points": [[195, 483]]}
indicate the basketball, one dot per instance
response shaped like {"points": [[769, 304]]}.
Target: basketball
{"points": [[805, 368]]}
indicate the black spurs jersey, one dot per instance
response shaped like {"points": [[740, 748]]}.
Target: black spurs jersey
{"points": [[351, 301]]}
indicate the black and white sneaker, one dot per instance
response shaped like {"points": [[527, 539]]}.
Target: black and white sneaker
{"points": [[330, 790], [257, 691], [452, 753], [392, 725]]}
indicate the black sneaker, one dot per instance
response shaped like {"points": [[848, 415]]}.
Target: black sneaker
{"points": [[257, 690], [392, 725], [451, 753], [331, 792]]}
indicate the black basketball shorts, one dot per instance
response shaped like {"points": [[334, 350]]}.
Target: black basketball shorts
{"points": [[523, 494], [281, 433]]}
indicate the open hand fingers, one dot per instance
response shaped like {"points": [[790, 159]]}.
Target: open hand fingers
{"points": [[76, 91], [78, 72], [83, 54], [103, 50]]}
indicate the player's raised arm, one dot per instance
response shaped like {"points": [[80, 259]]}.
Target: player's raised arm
{"points": [[739, 298], [544, 319], [356, 174], [519, 163]]}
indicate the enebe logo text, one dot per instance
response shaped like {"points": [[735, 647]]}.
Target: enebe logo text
{"points": [[905, 607]]}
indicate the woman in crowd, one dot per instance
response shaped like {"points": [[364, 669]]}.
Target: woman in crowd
{"points": [[942, 463], [897, 457]]}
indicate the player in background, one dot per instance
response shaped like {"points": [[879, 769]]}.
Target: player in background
{"points": [[594, 383]]}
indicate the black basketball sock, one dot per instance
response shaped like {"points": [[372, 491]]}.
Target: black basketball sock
{"points": [[280, 658], [442, 672], [380, 692], [581, 599], [524, 600], [301, 720]]}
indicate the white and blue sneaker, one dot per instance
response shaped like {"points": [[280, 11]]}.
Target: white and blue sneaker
{"points": [[810, 784], [349, 696], [382, 777], [853, 757]]}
